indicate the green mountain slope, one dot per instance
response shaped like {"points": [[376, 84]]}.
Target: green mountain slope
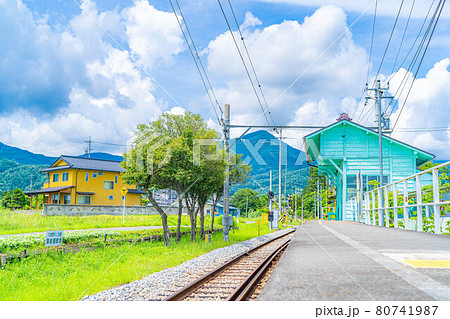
{"points": [[294, 169], [24, 157]]}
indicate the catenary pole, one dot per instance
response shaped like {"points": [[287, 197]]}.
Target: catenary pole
{"points": [[226, 191]]}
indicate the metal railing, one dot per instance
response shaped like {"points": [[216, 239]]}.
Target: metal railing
{"points": [[380, 202]]}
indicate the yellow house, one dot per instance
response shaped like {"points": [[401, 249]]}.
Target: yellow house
{"points": [[86, 181]]}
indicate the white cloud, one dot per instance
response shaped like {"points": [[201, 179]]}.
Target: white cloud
{"points": [[385, 7], [281, 53], [427, 106], [153, 35], [94, 88]]}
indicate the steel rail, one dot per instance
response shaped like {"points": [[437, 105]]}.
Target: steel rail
{"points": [[246, 288], [190, 288]]}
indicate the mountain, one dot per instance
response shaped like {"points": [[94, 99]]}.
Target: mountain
{"points": [[266, 158], [24, 157]]}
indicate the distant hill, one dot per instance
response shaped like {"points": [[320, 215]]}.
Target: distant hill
{"points": [[296, 169], [24, 157]]}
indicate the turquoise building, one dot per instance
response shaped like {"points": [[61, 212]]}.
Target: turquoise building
{"points": [[344, 148]]}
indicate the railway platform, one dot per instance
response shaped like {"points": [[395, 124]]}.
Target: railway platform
{"points": [[336, 260]]}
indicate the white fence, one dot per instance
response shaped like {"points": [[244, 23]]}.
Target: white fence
{"points": [[410, 200]]}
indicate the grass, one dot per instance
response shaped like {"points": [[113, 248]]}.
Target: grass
{"points": [[68, 277], [17, 223]]}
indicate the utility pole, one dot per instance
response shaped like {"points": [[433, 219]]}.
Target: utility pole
{"points": [[382, 119], [317, 200], [295, 203], [226, 191], [246, 209], [302, 206], [89, 148], [279, 179], [31, 182], [270, 200]]}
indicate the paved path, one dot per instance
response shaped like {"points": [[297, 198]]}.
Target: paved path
{"points": [[350, 261], [112, 229]]}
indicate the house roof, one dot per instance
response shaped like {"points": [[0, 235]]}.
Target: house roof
{"points": [[49, 190], [135, 191], [85, 163], [423, 155]]}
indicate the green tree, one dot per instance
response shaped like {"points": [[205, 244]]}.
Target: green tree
{"points": [[15, 200], [246, 199]]}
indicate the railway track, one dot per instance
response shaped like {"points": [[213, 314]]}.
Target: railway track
{"points": [[237, 279]]}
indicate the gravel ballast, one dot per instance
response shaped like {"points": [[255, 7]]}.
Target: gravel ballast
{"points": [[161, 285]]}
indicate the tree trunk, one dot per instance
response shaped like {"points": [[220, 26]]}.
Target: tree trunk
{"points": [[162, 213], [202, 221], [214, 203], [192, 216], [180, 212], [195, 222]]}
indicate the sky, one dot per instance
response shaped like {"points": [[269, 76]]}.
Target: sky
{"points": [[70, 69]]}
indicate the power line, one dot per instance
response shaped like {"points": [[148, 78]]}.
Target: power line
{"points": [[441, 4], [368, 64], [251, 63], [308, 68], [403, 83], [389, 41], [403, 37], [243, 62], [195, 60]]}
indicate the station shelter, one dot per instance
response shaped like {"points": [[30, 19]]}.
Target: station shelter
{"points": [[345, 149]]}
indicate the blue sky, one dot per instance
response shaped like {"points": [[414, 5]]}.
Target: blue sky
{"points": [[65, 79]]}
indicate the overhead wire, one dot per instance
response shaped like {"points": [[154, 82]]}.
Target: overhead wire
{"points": [[250, 60], [243, 62], [203, 76], [404, 60], [309, 67], [441, 4], [368, 64], [403, 36], [389, 41]]}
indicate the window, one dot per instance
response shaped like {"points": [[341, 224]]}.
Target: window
{"points": [[66, 199], [65, 177], [84, 199], [94, 175], [108, 185], [100, 173], [87, 177], [55, 199], [115, 179], [111, 196], [55, 178]]}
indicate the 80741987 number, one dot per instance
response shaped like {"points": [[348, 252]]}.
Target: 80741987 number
{"points": [[406, 310]]}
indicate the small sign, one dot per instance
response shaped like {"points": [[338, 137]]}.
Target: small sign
{"points": [[53, 238], [124, 191]]}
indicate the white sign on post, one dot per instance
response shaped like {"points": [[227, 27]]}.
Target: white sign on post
{"points": [[53, 238]]}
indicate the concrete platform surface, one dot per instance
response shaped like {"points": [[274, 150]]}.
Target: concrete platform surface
{"points": [[336, 260]]}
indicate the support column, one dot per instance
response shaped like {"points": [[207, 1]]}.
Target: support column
{"points": [[344, 191], [419, 203], [386, 206], [436, 206], [394, 197]]}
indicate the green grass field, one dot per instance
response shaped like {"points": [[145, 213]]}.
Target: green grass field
{"points": [[71, 276], [17, 223]]}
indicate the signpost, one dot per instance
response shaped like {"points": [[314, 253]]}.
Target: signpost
{"points": [[124, 192], [53, 238]]}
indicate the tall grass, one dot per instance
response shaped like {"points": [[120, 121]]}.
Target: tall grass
{"points": [[15, 223], [67, 277]]}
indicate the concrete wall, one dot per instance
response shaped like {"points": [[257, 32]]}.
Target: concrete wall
{"points": [[73, 210]]}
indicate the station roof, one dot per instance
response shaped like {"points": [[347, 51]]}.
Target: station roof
{"points": [[314, 137]]}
